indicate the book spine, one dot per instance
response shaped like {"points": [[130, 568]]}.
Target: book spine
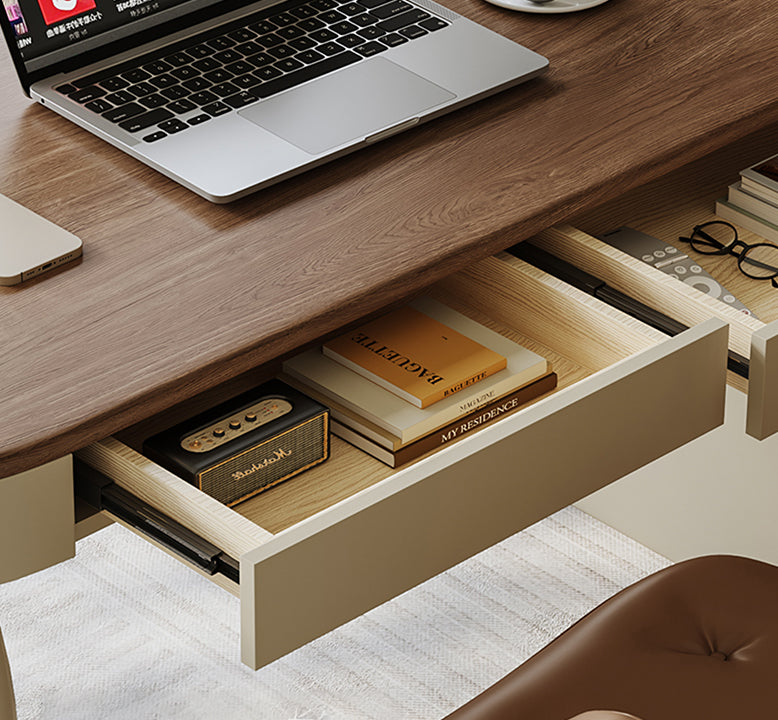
{"points": [[453, 431], [751, 203], [466, 383], [747, 220]]}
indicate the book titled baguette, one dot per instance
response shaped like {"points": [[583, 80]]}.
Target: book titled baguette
{"points": [[450, 433], [367, 400], [414, 356]]}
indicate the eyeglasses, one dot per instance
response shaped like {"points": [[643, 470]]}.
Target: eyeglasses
{"points": [[758, 261]]}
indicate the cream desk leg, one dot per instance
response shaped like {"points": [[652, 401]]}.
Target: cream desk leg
{"points": [[36, 519], [7, 703]]}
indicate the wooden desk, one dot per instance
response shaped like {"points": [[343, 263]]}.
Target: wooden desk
{"points": [[175, 295]]}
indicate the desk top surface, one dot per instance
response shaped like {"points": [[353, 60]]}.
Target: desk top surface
{"points": [[175, 295]]}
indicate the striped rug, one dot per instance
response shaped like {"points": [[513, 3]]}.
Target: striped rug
{"points": [[124, 632]]}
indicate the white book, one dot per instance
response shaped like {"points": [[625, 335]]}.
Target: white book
{"points": [[402, 419], [751, 203], [747, 220]]}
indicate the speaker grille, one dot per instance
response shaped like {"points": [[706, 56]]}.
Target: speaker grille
{"points": [[268, 463]]}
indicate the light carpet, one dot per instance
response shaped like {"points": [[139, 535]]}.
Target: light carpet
{"points": [[123, 631]]}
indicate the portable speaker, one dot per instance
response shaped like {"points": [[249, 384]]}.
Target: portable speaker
{"points": [[246, 445]]}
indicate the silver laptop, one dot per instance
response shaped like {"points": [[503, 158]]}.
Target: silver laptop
{"points": [[227, 97]]}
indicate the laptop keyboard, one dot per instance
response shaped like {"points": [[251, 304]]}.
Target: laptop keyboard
{"points": [[186, 84]]}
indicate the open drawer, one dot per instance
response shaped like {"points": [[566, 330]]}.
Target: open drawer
{"points": [[749, 337], [343, 537]]}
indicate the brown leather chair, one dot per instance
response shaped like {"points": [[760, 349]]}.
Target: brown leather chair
{"points": [[695, 641], [7, 704]]}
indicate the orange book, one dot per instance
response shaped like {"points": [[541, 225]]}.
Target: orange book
{"points": [[414, 356]]}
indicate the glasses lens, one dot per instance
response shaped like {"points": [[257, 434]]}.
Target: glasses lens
{"points": [[713, 238], [760, 261]]}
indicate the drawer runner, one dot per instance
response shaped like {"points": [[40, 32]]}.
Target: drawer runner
{"points": [[592, 285], [102, 493]]}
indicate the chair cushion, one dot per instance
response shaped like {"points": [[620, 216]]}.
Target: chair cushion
{"points": [[698, 639]]}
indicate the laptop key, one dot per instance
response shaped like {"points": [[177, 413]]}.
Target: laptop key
{"points": [[113, 84], [433, 24], [268, 73], [199, 119], [66, 89], [178, 59], [309, 72], [98, 106], [184, 73], [242, 34], [309, 56], [398, 21], [390, 9], [206, 64], [87, 94], [227, 56], [330, 48], [163, 81], [120, 97], [289, 64], [124, 112], [260, 59], [147, 119], [196, 84], [141, 89], [200, 51], [351, 41], [203, 98], [224, 89], [220, 43], [248, 48], [363, 20], [369, 33], [175, 92], [412, 32], [240, 99], [370, 48], [302, 43], [136, 75], [153, 101], [217, 108], [157, 67], [179, 107], [153, 137], [281, 51], [370, 4], [263, 27], [218, 76], [393, 39], [173, 126]]}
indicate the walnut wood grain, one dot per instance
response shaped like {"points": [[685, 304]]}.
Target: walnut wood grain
{"points": [[175, 295]]}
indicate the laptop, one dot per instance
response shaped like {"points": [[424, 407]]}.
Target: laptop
{"points": [[227, 97]]}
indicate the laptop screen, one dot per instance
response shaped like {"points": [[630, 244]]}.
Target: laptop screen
{"points": [[47, 32]]}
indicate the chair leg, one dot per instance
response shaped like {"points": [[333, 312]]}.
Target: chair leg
{"points": [[7, 702]]}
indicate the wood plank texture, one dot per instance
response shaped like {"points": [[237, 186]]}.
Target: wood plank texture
{"points": [[175, 295]]}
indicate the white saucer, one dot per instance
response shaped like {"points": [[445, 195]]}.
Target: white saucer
{"points": [[556, 6]]}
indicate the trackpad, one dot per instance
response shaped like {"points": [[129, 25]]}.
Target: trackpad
{"points": [[347, 105]]}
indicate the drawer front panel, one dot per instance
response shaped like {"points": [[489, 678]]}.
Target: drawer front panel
{"points": [[762, 412], [390, 537], [37, 519]]}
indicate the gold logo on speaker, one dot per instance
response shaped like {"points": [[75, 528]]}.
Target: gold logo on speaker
{"points": [[277, 455]]}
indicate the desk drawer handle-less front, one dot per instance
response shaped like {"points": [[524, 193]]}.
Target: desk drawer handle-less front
{"points": [[627, 396]]}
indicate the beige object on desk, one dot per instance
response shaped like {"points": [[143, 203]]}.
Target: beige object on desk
{"points": [[7, 703]]}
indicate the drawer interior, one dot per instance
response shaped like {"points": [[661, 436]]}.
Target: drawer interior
{"points": [[578, 334]]}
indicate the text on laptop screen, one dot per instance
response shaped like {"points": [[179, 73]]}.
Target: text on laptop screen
{"points": [[47, 30]]}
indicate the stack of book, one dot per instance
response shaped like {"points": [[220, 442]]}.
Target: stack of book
{"points": [[752, 202], [417, 379]]}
